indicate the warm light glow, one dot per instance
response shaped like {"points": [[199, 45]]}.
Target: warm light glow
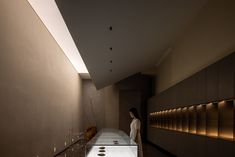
{"points": [[191, 108], [200, 106], [185, 108], [49, 13], [222, 102], [179, 110], [226, 136], [201, 132], [210, 104], [213, 134], [182, 119], [193, 131]]}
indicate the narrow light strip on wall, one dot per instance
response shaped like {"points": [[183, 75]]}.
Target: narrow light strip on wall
{"points": [[49, 14]]}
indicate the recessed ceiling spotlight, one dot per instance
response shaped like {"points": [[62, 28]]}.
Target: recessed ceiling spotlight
{"points": [[111, 48], [111, 61], [110, 28]]}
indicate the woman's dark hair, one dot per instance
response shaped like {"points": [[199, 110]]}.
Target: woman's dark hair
{"points": [[135, 112]]}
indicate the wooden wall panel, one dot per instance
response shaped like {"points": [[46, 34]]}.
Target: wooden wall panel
{"points": [[212, 120], [212, 83], [226, 78], [200, 87]]}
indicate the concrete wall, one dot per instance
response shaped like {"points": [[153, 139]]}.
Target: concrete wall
{"points": [[101, 107], [209, 38], [40, 91], [111, 96]]}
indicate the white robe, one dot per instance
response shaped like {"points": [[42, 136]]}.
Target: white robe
{"points": [[135, 135]]}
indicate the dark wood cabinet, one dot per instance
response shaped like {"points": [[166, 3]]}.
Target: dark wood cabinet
{"points": [[196, 107], [212, 83], [188, 91], [184, 93], [226, 78], [163, 99], [191, 90], [169, 98], [179, 94], [173, 96], [199, 87], [158, 102]]}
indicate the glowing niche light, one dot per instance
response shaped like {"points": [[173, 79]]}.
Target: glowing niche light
{"points": [[214, 119], [50, 15]]}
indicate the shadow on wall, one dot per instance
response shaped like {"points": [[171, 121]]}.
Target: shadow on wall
{"points": [[100, 106], [134, 91]]}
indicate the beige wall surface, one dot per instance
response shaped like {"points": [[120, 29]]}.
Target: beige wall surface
{"points": [[101, 107], [209, 38], [40, 91], [111, 96]]}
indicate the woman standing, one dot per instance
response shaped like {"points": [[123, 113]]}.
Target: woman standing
{"points": [[135, 130]]}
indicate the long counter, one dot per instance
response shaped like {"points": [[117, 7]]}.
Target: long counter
{"points": [[111, 143]]}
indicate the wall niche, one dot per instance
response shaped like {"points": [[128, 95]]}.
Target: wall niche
{"points": [[226, 120], [215, 120]]}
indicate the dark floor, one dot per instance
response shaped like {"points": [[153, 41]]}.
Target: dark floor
{"points": [[151, 151]]}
